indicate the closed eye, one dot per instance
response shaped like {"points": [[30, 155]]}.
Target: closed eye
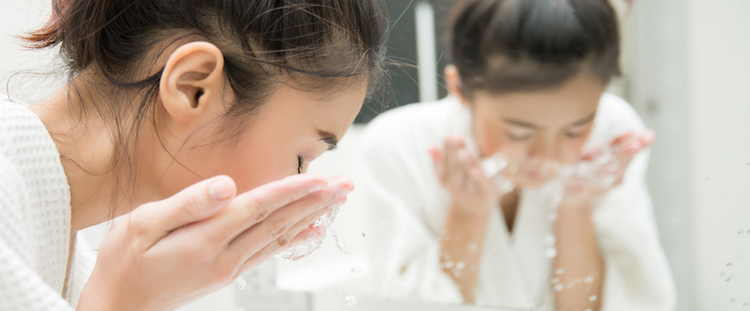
{"points": [[518, 137]]}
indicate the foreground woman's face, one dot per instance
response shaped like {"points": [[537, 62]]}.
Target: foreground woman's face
{"points": [[292, 127], [536, 128]]}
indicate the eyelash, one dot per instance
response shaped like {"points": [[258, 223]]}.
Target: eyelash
{"points": [[517, 138], [573, 135], [299, 165]]}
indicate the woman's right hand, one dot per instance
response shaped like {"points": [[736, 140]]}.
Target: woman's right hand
{"points": [[461, 173], [165, 254]]}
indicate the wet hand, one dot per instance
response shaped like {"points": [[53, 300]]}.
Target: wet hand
{"points": [[461, 173], [621, 150], [165, 254]]}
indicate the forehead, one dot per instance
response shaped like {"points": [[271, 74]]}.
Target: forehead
{"points": [[568, 103], [329, 110]]}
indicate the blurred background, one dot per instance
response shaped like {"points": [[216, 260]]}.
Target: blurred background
{"points": [[686, 71]]}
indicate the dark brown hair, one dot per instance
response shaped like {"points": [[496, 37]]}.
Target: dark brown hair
{"points": [[314, 44], [525, 45]]}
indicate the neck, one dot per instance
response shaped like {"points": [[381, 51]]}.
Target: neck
{"points": [[86, 147]]}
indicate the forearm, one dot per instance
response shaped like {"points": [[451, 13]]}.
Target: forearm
{"points": [[461, 248], [578, 267]]}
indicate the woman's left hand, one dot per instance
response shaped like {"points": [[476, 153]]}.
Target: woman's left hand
{"points": [[623, 148]]}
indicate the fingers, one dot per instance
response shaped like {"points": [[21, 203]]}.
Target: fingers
{"points": [[195, 203], [258, 204], [437, 162], [305, 230], [631, 143], [274, 229]]}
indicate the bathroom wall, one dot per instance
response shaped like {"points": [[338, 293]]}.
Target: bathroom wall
{"points": [[689, 81]]}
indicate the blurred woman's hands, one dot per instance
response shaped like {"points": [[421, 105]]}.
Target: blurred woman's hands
{"points": [[623, 149], [165, 254], [461, 173]]}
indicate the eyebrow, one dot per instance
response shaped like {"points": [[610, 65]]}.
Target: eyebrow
{"points": [[329, 138], [532, 126]]}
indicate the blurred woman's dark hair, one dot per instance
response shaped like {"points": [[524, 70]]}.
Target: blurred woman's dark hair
{"points": [[526, 45], [315, 45]]}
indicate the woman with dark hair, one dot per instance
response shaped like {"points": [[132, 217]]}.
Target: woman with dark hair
{"points": [[188, 119], [535, 198]]}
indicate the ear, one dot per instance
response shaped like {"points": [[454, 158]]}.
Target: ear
{"points": [[453, 80], [192, 83]]}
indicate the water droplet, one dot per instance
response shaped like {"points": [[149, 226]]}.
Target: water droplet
{"points": [[339, 241], [588, 280], [472, 247], [241, 283], [729, 278], [365, 234], [745, 304], [551, 252], [356, 270], [559, 287], [593, 298], [560, 271], [550, 239], [460, 265], [555, 280], [732, 300], [729, 264], [350, 300], [552, 216], [448, 264]]}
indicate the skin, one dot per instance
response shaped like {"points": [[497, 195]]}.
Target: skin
{"points": [[216, 207], [529, 128]]}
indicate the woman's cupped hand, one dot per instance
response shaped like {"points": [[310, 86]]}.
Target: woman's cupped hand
{"points": [[165, 254]]}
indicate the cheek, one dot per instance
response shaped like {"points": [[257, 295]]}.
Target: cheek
{"points": [[491, 139], [256, 160]]}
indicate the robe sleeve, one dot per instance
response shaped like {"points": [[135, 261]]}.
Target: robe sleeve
{"points": [[404, 249], [21, 288], [636, 272]]}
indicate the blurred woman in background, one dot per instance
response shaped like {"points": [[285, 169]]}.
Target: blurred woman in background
{"points": [[527, 89]]}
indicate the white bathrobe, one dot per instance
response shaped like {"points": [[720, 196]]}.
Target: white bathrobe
{"points": [[408, 207], [34, 218]]}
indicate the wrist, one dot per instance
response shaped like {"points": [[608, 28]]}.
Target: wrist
{"points": [[469, 210]]}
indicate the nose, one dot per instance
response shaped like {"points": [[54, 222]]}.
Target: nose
{"points": [[543, 149]]}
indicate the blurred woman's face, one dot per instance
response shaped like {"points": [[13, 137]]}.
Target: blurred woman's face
{"points": [[538, 129]]}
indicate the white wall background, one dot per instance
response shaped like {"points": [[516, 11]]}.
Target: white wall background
{"points": [[689, 80], [688, 75]]}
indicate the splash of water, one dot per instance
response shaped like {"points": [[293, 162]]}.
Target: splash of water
{"points": [[339, 240], [241, 283], [350, 300], [305, 249]]}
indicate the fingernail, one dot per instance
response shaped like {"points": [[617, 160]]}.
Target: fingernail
{"points": [[222, 189], [342, 192]]}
